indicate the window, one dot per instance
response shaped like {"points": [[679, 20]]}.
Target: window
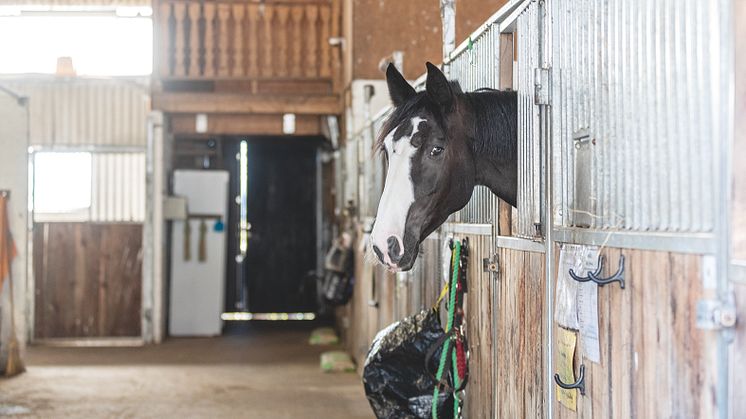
{"points": [[107, 187], [100, 42], [62, 183]]}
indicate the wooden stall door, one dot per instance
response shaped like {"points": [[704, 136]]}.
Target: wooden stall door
{"points": [[655, 363], [88, 280], [520, 340]]}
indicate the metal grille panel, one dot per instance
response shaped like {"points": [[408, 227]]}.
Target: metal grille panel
{"points": [[634, 128]]}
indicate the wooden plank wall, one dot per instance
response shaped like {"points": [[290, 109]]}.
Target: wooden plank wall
{"points": [[479, 398], [400, 297], [520, 342], [654, 362], [88, 280]]}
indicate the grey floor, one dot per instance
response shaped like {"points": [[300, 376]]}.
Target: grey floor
{"points": [[265, 372]]}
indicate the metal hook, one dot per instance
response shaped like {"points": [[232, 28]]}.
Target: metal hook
{"points": [[594, 276], [579, 384]]}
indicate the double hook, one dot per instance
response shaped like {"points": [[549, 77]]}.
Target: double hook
{"points": [[579, 384], [594, 276]]}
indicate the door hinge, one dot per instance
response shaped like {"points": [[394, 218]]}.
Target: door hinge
{"points": [[716, 314], [490, 265], [541, 86]]}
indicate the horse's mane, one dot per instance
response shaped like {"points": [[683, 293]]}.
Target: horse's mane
{"points": [[495, 115], [495, 133]]}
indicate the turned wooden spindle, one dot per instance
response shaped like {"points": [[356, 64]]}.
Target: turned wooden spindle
{"points": [[325, 66], [267, 45], [297, 15], [224, 15], [194, 15], [209, 40], [312, 45], [164, 17], [253, 17], [179, 62], [282, 49], [337, 77], [238, 58]]}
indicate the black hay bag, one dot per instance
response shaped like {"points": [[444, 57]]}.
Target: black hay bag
{"points": [[397, 382]]}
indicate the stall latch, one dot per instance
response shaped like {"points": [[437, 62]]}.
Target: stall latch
{"points": [[715, 314]]}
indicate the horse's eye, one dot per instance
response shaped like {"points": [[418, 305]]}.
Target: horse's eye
{"points": [[435, 151]]}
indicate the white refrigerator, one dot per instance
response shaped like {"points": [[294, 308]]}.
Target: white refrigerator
{"points": [[198, 254]]}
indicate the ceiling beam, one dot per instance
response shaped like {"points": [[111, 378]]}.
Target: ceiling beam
{"points": [[235, 103]]}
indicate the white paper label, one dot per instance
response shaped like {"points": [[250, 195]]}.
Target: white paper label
{"points": [[577, 302]]}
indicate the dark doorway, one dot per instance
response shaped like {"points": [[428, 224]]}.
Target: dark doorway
{"points": [[273, 273]]}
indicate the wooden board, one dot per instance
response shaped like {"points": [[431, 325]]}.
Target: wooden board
{"points": [[520, 346], [242, 103], [217, 124], [88, 280], [654, 361]]}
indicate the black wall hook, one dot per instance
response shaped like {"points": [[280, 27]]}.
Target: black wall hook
{"points": [[579, 384], [593, 276]]}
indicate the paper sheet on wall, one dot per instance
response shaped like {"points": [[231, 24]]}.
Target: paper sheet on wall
{"points": [[588, 311], [566, 341], [576, 303]]}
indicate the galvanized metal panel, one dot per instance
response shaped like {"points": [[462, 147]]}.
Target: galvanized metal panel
{"points": [[633, 128], [118, 187], [83, 111]]}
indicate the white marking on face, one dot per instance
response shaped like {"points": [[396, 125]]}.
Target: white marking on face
{"points": [[398, 192]]}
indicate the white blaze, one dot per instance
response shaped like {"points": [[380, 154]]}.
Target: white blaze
{"points": [[398, 192]]}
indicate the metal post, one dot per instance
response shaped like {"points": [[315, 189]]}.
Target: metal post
{"points": [[448, 18]]}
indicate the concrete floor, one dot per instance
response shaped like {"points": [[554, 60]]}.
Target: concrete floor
{"points": [[268, 371]]}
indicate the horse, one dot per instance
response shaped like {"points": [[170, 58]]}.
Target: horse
{"points": [[438, 145]]}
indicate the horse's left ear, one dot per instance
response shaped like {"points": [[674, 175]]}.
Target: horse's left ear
{"points": [[438, 87]]}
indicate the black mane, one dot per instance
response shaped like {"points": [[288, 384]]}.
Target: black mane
{"points": [[495, 122], [495, 136]]}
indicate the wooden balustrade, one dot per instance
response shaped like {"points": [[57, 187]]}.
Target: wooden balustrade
{"points": [[201, 40]]}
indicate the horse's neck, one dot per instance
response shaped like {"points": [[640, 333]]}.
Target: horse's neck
{"points": [[495, 144]]}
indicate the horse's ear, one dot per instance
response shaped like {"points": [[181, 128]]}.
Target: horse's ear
{"points": [[438, 87], [399, 89]]}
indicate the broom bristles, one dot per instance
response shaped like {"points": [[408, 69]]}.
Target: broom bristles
{"points": [[14, 366]]}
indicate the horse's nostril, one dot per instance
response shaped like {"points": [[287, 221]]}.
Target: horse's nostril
{"points": [[395, 251], [378, 253]]}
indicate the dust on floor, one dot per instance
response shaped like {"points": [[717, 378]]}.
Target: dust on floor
{"points": [[266, 372]]}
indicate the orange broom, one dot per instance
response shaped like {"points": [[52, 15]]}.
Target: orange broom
{"points": [[14, 365]]}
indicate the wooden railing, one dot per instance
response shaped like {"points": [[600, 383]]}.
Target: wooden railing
{"points": [[198, 40]]}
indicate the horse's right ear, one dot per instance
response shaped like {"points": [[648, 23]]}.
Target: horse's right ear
{"points": [[399, 89]]}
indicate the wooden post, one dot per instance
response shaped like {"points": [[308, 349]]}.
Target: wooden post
{"points": [[297, 15], [505, 216], [179, 63], [224, 14], [253, 15], [325, 68], [268, 68], [312, 13], [209, 40], [164, 17], [238, 58], [194, 14], [340, 74], [282, 55]]}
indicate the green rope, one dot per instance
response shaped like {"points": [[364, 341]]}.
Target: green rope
{"points": [[456, 257]]}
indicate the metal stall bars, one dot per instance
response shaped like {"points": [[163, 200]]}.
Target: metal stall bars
{"points": [[633, 123]]}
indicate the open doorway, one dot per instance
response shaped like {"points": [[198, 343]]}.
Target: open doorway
{"points": [[272, 251]]}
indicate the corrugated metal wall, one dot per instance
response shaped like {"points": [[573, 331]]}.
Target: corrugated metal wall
{"points": [[82, 111], [118, 187], [624, 160]]}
